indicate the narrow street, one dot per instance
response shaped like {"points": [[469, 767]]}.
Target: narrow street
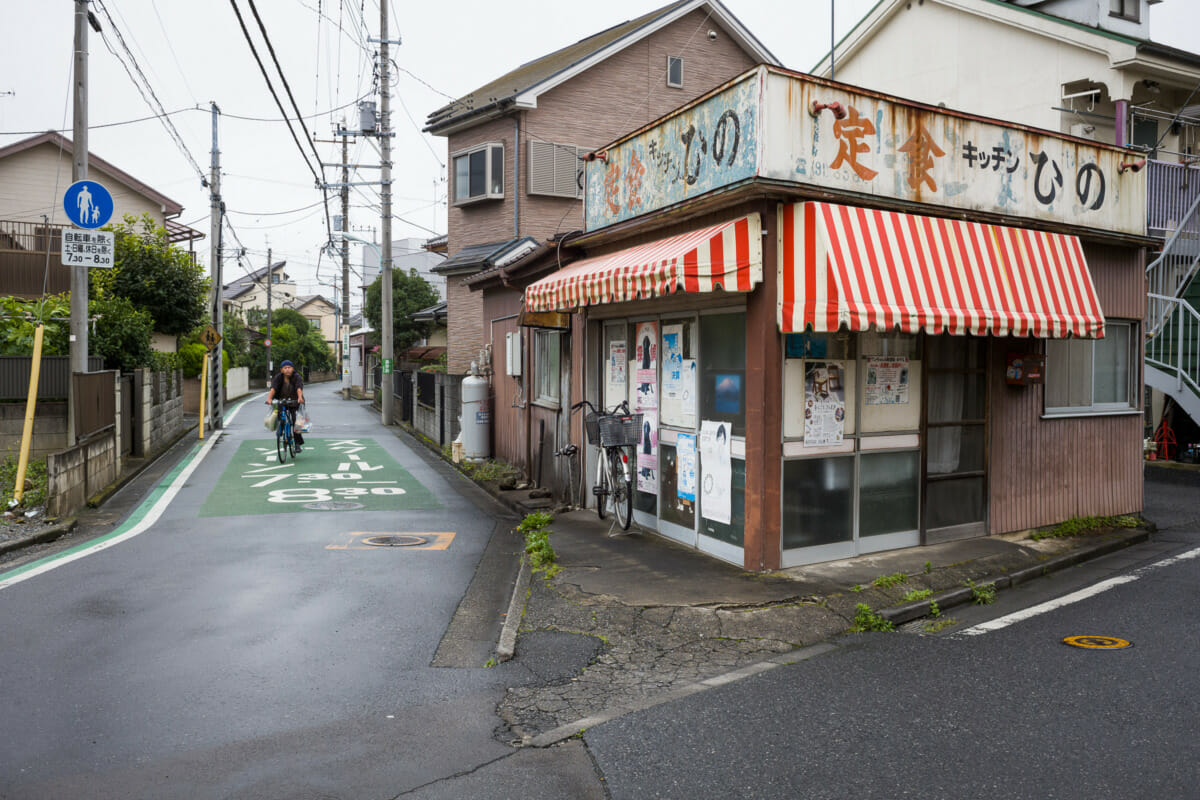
{"points": [[251, 642]]}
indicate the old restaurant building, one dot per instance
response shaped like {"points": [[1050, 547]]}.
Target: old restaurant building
{"points": [[855, 323]]}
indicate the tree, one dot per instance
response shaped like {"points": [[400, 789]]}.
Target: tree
{"points": [[123, 333], [154, 275], [18, 319], [410, 294]]}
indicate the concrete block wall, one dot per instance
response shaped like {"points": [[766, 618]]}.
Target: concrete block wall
{"points": [[77, 473], [237, 383], [49, 428], [163, 416]]}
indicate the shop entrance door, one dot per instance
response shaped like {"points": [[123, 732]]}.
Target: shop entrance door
{"points": [[955, 440]]}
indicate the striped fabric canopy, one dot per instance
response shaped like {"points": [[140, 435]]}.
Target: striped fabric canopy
{"points": [[864, 268], [727, 256]]}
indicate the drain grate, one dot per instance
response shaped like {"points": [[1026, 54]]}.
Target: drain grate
{"points": [[399, 540], [333, 505]]}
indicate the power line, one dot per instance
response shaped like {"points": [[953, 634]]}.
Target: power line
{"points": [[262, 68], [156, 106]]}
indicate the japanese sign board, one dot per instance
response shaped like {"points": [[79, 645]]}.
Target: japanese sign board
{"points": [[801, 130], [88, 248]]}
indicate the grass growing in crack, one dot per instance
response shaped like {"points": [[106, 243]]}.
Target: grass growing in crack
{"points": [[918, 594], [941, 624], [981, 595], [928, 567], [857, 587], [934, 611], [491, 662], [1080, 525], [541, 553], [887, 581], [867, 620]]}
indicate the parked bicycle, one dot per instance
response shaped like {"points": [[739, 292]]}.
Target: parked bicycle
{"points": [[615, 433], [285, 431]]}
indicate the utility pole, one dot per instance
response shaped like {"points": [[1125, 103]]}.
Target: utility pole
{"points": [[385, 222], [216, 211], [78, 346], [270, 280], [344, 333]]}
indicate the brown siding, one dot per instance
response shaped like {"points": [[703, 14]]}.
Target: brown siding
{"points": [[1045, 471], [464, 322], [1120, 279], [486, 220], [508, 402]]}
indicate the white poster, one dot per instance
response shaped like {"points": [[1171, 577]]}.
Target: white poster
{"points": [[687, 398], [887, 381], [824, 403], [716, 471], [616, 369], [685, 467], [676, 378], [647, 454]]}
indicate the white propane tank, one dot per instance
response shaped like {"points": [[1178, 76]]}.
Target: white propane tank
{"points": [[476, 417]]}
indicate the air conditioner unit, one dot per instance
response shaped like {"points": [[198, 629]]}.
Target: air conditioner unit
{"points": [[512, 352]]}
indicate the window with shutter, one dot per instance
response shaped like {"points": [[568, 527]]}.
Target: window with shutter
{"points": [[554, 169]]}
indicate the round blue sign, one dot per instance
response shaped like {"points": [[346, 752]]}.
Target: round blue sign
{"points": [[88, 204]]}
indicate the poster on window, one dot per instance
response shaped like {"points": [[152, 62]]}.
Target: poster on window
{"points": [[647, 454], [646, 366], [687, 394], [716, 472], [685, 467], [886, 382], [824, 403], [616, 367]]}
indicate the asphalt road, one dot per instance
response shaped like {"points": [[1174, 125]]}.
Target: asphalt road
{"points": [[1012, 713], [246, 645]]}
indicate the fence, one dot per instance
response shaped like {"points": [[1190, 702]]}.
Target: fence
{"points": [[1170, 191], [31, 257], [95, 402], [53, 376]]}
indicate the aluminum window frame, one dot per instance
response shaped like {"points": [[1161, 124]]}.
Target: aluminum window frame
{"points": [[490, 165]]}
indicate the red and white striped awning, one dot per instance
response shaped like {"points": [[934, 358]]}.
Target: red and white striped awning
{"points": [[862, 268], [727, 256]]}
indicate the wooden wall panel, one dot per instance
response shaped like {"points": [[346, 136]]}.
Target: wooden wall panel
{"points": [[509, 415], [1045, 471], [1119, 274]]}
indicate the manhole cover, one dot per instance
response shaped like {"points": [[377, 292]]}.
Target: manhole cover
{"points": [[333, 505], [1097, 642], [400, 540]]}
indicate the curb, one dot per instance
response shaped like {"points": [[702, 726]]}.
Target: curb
{"points": [[516, 610], [46, 535], [907, 612]]}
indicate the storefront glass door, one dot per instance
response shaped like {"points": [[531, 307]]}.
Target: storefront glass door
{"points": [[956, 439]]}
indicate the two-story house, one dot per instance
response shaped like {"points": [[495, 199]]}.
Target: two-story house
{"points": [[1086, 68], [250, 290], [34, 172], [515, 147]]}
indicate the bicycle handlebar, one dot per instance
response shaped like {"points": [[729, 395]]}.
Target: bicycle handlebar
{"points": [[621, 406]]}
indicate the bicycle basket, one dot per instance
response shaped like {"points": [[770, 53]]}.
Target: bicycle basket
{"points": [[620, 431], [591, 423]]}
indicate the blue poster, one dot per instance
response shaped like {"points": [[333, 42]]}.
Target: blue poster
{"points": [[685, 467]]}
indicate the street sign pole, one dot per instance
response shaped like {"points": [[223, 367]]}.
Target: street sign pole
{"points": [[78, 343]]}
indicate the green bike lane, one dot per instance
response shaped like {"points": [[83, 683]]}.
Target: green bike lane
{"points": [[237, 633]]}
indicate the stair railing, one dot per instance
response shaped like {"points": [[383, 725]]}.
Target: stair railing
{"points": [[1176, 349], [1169, 274]]}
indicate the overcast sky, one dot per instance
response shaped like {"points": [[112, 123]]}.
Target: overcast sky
{"points": [[194, 52]]}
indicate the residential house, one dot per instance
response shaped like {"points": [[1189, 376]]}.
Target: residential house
{"points": [[1081, 67], [516, 147], [34, 174], [321, 314], [846, 337], [250, 290], [407, 254]]}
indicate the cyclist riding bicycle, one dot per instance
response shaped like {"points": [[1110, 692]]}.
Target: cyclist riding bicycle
{"points": [[287, 385]]}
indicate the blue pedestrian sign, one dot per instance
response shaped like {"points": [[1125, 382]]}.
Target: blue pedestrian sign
{"points": [[88, 204]]}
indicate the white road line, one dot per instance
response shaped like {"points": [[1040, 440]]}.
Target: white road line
{"points": [[139, 526], [1074, 597]]}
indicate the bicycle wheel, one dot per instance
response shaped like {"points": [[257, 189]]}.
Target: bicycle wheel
{"points": [[602, 484], [622, 491], [280, 441]]}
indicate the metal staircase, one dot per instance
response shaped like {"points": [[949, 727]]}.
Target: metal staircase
{"points": [[1172, 319]]}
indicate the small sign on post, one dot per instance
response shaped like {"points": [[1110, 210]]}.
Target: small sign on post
{"points": [[210, 337], [88, 248], [387, 366]]}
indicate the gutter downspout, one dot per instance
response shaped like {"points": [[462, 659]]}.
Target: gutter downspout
{"points": [[517, 176]]}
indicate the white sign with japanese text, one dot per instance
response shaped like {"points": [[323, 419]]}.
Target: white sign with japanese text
{"points": [[88, 248]]}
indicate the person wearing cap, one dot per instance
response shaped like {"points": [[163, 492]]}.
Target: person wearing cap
{"points": [[287, 385]]}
